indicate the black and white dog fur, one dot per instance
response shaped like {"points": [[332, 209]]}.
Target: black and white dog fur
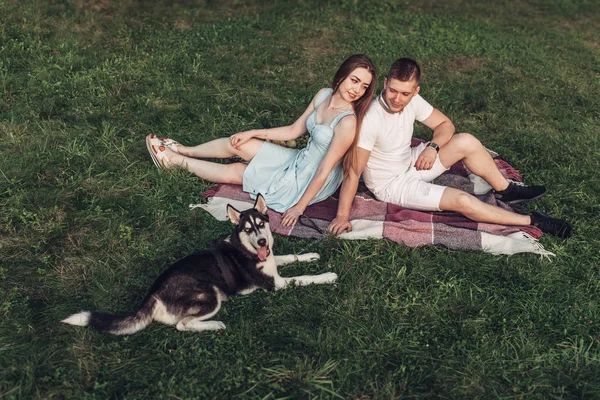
{"points": [[190, 292]]}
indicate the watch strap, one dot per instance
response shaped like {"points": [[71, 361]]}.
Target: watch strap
{"points": [[434, 146]]}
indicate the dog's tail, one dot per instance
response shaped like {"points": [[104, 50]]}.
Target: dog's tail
{"points": [[116, 324]]}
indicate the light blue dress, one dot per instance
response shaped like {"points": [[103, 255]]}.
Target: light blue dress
{"points": [[282, 175]]}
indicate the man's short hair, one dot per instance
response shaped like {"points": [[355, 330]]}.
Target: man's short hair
{"points": [[405, 69]]}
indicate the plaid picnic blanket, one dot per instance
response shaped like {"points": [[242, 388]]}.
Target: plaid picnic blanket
{"points": [[371, 218]]}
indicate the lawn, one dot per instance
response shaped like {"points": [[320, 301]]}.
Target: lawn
{"points": [[88, 222]]}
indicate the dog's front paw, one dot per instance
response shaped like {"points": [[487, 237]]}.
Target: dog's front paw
{"points": [[307, 257], [327, 277], [214, 326]]}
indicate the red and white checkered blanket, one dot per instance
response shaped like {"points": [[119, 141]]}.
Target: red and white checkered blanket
{"points": [[371, 218]]}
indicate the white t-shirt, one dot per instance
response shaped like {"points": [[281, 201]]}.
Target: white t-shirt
{"points": [[388, 137]]}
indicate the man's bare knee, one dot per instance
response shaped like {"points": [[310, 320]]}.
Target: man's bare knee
{"points": [[459, 201], [467, 141]]}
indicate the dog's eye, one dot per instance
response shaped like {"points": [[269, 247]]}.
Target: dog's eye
{"points": [[248, 230], [261, 224]]}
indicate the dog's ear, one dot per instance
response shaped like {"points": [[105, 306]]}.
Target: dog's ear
{"points": [[234, 215], [260, 205]]}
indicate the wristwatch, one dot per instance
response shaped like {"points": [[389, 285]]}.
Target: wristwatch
{"points": [[434, 145]]}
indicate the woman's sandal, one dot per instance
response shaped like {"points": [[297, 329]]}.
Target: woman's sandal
{"points": [[170, 143], [159, 157]]}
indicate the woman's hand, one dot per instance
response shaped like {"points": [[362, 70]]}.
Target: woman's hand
{"points": [[291, 215], [238, 139]]}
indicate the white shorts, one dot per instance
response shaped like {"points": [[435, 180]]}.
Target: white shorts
{"points": [[413, 189]]}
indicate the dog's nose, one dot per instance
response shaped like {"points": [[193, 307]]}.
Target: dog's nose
{"points": [[262, 242]]}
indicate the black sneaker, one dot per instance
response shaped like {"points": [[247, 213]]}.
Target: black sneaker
{"points": [[554, 226], [516, 192]]}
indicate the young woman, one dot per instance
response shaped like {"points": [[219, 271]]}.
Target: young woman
{"points": [[288, 179]]}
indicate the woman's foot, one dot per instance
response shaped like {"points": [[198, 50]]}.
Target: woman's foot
{"points": [[158, 151], [170, 143]]}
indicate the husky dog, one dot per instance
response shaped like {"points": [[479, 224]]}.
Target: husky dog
{"points": [[191, 291]]}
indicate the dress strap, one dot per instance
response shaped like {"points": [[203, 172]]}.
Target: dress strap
{"points": [[323, 97], [339, 117]]}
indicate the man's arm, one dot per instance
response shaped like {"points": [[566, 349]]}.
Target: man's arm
{"points": [[341, 222], [443, 130]]}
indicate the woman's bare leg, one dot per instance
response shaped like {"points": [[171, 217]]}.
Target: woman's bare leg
{"points": [[221, 148], [210, 171]]}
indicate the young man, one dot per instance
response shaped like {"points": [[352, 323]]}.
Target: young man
{"points": [[399, 174]]}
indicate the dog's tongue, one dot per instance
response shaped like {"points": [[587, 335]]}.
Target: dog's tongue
{"points": [[262, 253]]}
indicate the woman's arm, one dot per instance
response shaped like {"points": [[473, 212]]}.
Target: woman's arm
{"points": [[289, 132], [342, 140], [341, 222]]}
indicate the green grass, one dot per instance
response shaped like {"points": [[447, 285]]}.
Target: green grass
{"points": [[87, 222]]}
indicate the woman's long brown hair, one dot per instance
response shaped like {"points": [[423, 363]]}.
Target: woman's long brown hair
{"points": [[361, 105]]}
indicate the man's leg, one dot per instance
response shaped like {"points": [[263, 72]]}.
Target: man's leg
{"points": [[472, 208], [475, 209], [411, 192], [476, 158], [414, 190], [466, 147]]}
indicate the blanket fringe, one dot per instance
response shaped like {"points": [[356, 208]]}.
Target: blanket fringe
{"points": [[517, 242], [217, 206], [508, 170], [538, 246], [194, 206], [202, 205]]}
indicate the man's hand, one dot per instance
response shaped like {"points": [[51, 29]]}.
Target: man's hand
{"points": [[291, 215], [426, 159], [339, 225]]}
